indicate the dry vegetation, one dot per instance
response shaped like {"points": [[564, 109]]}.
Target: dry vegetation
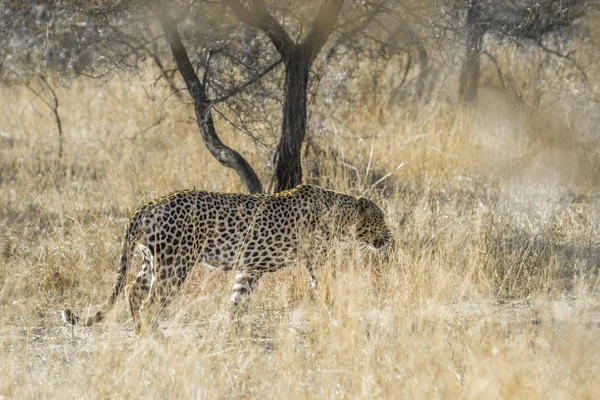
{"points": [[492, 290]]}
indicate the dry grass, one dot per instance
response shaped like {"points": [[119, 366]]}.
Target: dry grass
{"points": [[491, 292]]}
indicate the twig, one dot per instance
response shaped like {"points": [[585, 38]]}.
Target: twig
{"points": [[206, 68], [121, 59], [382, 179], [141, 132], [370, 158], [244, 85], [502, 75], [52, 106]]}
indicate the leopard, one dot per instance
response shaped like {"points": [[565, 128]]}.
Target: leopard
{"points": [[251, 234]]}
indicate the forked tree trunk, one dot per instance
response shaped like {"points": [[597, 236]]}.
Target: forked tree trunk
{"points": [[288, 167], [470, 69], [298, 58]]}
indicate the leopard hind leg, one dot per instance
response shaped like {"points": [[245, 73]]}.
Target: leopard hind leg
{"points": [[168, 277], [139, 290]]}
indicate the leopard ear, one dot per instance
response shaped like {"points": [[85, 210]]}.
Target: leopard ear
{"points": [[364, 204]]}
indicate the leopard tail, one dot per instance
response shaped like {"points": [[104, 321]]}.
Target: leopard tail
{"points": [[129, 241]]}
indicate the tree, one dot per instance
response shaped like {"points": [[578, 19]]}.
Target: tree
{"points": [[475, 28], [97, 38], [517, 21]]}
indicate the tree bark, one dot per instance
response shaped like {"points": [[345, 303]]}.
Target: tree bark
{"points": [[423, 71], [288, 166], [224, 154], [288, 157], [424, 66], [470, 70]]}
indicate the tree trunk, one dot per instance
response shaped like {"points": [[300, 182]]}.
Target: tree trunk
{"points": [[423, 71], [298, 58], [288, 168], [469, 74]]}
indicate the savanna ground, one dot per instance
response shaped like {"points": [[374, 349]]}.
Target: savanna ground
{"points": [[492, 289]]}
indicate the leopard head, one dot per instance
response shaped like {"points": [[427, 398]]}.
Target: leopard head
{"points": [[370, 225]]}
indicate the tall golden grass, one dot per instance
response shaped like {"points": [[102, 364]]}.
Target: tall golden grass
{"points": [[491, 290]]}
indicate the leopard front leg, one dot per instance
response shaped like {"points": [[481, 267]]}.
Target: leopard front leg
{"points": [[311, 259], [313, 279], [316, 253], [245, 282]]}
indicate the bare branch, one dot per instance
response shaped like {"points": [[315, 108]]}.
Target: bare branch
{"points": [[146, 129], [224, 154], [244, 85], [206, 68], [52, 106], [123, 57], [558, 54], [322, 27], [258, 17], [502, 76]]}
